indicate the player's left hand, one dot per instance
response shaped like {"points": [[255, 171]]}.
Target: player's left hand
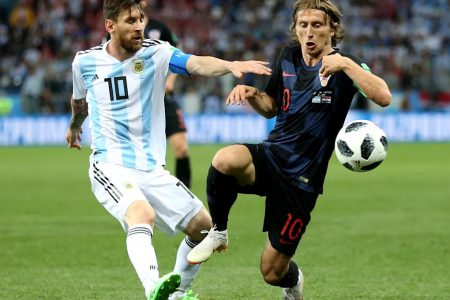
{"points": [[331, 64], [239, 68]]}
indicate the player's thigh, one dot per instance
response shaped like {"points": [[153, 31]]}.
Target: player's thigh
{"points": [[260, 178], [175, 205], [288, 212], [115, 188]]}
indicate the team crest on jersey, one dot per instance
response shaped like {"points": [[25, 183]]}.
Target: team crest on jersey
{"points": [[138, 66]]}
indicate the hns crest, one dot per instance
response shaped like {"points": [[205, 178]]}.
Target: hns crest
{"points": [[138, 66]]}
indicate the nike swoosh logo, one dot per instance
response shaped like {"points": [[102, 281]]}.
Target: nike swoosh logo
{"points": [[287, 74]]}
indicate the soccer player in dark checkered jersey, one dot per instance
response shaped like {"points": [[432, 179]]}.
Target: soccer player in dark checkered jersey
{"points": [[309, 92]]}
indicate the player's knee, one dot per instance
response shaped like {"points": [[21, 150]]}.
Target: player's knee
{"points": [[235, 160], [181, 150], [223, 161], [140, 212], [179, 145]]}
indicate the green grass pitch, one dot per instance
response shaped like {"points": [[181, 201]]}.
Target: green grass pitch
{"points": [[384, 234]]}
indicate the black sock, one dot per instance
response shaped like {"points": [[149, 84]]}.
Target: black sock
{"points": [[291, 278], [221, 191], [183, 171]]}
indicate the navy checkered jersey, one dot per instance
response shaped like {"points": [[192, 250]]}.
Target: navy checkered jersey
{"points": [[308, 119]]}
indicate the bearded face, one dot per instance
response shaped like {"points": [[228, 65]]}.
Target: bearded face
{"points": [[128, 30]]}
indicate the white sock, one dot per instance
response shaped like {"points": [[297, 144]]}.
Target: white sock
{"points": [[142, 255], [183, 267]]}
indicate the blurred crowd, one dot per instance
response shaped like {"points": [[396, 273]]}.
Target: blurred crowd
{"points": [[407, 42]]}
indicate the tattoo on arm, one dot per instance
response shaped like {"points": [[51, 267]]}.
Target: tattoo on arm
{"points": [[79, 112]]}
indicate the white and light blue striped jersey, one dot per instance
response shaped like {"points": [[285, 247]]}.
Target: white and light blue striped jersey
{"points": [[126, 101]]}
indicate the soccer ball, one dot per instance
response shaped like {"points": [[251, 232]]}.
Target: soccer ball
{"points": [[361, 146]]}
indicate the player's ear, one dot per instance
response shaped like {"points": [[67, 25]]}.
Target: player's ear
{"points": [[109, 25], [333, 26]]}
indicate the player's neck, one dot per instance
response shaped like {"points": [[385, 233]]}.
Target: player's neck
{"points": [[312, 60], [118, 52]]}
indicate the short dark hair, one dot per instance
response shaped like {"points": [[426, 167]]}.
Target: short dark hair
{"points": [[113, 8], [329, 8]]}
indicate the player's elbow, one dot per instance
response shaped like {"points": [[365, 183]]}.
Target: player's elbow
{"points": [[384, 98], [268, 114]]}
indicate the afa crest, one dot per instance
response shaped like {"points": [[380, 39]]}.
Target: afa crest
{"points": [[138, 66]]}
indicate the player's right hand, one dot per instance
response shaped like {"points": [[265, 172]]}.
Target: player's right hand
{"points": [[239, 68], [73, 137], [240, 93]]}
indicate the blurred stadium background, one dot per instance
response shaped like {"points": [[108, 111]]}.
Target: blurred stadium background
{"points": [[382, 235], [407, 42]]}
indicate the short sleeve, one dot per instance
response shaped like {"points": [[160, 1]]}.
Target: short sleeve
{"points": [[178, 62], [363, 65], [79, 88], [273, 86]]}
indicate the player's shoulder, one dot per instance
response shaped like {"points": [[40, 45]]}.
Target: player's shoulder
{"points": [[289, 52], [291, 49], [153, 43], [350, 55], [91, 50]]}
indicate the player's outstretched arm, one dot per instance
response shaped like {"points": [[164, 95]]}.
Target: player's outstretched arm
{"points": [[211, 66], [79, 114], [261, 102], [374, 87]]}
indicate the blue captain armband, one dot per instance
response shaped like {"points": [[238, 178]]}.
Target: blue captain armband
{"points": [[178, 62]]}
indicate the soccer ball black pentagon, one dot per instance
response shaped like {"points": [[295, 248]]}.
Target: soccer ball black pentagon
{"points": [[361, 146]]}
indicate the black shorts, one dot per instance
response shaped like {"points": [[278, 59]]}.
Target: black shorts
{"points": [[288, 208], [174, 116]]}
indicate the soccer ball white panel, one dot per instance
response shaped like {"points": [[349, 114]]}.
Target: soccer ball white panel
{"points": [[361, 146]]}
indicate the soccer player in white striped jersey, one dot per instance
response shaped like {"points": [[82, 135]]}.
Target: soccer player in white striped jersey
{"points": [[120, 85]]}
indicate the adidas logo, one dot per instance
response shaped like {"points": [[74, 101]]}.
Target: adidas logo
{"points": [[95, 78]]}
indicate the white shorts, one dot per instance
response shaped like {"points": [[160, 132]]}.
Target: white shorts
{"points": [[117, 187]]}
